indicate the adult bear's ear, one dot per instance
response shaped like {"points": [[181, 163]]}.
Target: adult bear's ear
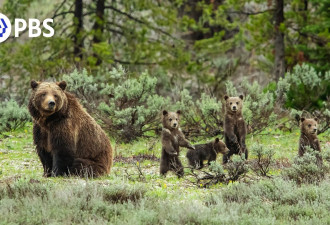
{"points": [[217, 140], [34, 84], [178, 112], [226, 97], [302, 119], [241, 97], [62, 85], [165, 112], [316, 119]]}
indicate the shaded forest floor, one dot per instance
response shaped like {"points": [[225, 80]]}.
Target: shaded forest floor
{"points": [[135, 193]]}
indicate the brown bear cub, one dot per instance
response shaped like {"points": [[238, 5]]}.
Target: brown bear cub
{"points": [[172, 140], [206, 151], [234, 127], [68, 140], [308, 136]]}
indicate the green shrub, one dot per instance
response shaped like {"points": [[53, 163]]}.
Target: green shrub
{"points": [[236, 168], [127, 107], [12, 116], [119, 193], [307, 168], [265, 159], [304, 88], [202, 117]]}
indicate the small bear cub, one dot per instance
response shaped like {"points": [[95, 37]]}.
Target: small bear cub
{"points": [[206, 151], [234, 127], [172, 139], [308, 136]]}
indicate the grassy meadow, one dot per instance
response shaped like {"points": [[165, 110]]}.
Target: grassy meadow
{"points": [[135, 193]]}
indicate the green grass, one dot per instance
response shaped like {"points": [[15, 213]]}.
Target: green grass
{"points": [[127, 197]]}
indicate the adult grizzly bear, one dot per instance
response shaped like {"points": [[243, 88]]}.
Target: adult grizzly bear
{"points": [[67, 138], [308, 136], [234, 127], [172, 139], [206, 151]]}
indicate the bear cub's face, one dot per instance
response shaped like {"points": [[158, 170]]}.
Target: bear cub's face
{"points": [[48, 97], [171, 119], [234, 104], [309, 126], [220, 146]]}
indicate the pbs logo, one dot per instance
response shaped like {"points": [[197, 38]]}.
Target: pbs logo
{"points": [[33, 26], [5, 27]]}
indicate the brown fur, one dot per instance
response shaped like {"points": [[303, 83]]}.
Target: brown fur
{"points": [[206, 151], [308, 136], [67, 138], [234, 127], [172, 139]]}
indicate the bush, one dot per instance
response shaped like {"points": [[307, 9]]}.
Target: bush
{"points": [[258, 106], [119, 193], [304, 88], [236, 168], [12, 116], [127, 107], [307, 168], [265, 159], [200, 118]]}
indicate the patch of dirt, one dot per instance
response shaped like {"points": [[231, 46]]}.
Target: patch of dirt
{"points": [[135, 158]]}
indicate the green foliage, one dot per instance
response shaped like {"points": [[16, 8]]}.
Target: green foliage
{"points": [[127, 107], [236, 168], [304, 88], [216, 168], [12, 116], [202, 117], [305, 29], [278, 198], [123, 192], [307, 168], [264, 161]]}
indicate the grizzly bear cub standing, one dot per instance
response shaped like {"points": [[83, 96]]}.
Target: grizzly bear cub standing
{"points": [[68, 140], [308, 136], [172, 140], [234, 127], [206, 151]]}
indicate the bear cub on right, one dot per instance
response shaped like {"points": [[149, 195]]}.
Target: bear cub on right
{"points": [[308, 136], [206, 151]]}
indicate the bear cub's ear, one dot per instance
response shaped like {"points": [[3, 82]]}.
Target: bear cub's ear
{"points": [[62, 85], [217, 140], [316, 119], [302, 119], [178, 112], [226, 97], [241, 97], [165, 113], [34, 84]]}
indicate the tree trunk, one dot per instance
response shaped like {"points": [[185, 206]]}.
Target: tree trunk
{"points": [[78, 21], [279, 65], [98, 26]]}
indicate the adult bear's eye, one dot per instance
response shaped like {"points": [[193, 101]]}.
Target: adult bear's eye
{"points": [[43, 95], [55, 96]]}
